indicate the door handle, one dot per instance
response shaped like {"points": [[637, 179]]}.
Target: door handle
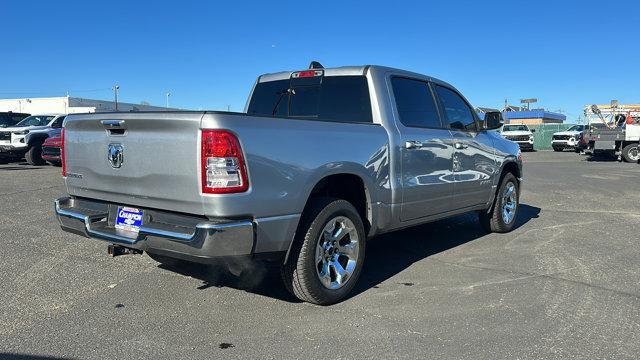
{"points": [[112, 123], [460, 146], [412, 144]]}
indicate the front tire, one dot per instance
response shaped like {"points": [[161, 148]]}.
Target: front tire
{"points": [[34, 155], [502, 216], [328, 253], [631, 153]]}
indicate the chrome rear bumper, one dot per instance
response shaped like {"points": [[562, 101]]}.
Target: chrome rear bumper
{"points": [[178, 235]]}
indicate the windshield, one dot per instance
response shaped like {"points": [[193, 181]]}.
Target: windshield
{"points": [[576, 128], [36, 120], [515, 128]]}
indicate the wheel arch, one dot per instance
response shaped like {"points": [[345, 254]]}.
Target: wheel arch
{"points": [[348, 186], [35, 139], [351, 186], [512, 167], [508, 166]]}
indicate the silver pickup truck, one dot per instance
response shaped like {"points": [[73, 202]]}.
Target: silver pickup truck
{"points": [[320, 161]]}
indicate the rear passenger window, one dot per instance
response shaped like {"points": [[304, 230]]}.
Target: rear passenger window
{"points": [[457, 112], [415, 103]]}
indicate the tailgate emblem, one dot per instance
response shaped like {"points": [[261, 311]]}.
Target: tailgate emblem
{"points": [[115, 155]]}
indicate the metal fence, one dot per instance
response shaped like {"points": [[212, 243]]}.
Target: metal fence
{"points": [[543, 134]]}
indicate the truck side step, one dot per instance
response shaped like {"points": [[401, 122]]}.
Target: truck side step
{"points": [[117, 250]]}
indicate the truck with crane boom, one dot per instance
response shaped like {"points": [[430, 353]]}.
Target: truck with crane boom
{"points": [[614, 129]]}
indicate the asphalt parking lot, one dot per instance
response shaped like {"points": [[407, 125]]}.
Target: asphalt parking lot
{"points": [[564, 284]]}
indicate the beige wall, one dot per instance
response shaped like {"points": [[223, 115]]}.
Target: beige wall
{"points": [[69, 105], [534, 121]]}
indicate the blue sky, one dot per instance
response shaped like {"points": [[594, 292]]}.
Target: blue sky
{"points": [[208, 54]]}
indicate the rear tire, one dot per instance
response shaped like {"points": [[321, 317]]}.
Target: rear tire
{"points": [[34, 155], [631, 153], [507, 200], [327, 255]]}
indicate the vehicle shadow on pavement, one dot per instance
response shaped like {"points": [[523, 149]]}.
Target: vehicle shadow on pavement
{"points": [[19, 168], [9, 356], [601, 158], [389, 254], [255, 278], [386, 256]]}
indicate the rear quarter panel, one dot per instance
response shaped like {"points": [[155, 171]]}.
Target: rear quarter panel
{"points": [[286, 158]]}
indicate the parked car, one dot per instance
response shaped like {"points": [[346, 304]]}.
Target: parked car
{"points": [[321, 161], [8, 118], [568, 139], [26, 137], [520, 134], [51, 148]]}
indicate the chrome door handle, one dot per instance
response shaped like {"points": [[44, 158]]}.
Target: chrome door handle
{"points": [[412, 144], [460, 146]]}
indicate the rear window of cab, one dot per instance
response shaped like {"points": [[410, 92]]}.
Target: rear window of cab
{"points": [[328, 98]]}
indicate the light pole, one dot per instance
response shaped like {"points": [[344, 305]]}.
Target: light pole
{"points": [[115, 89], [168, 94]]}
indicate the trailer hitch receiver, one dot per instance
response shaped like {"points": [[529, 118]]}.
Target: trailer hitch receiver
{"points": [[117, 250]]}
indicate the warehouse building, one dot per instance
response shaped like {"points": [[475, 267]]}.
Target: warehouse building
{"points": [[70, 105]]}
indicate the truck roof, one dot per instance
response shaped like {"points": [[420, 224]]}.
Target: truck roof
{"points": [[353, 71]]}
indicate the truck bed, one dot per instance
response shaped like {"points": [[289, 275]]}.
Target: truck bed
{"points": [[161, 164]]}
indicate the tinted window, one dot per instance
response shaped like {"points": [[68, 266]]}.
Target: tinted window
{"points": [[270, 98], [333, 98], [40, 120], [10, 119], [58, 122], [515, 128], [455, 109], [576, 128], [305, 102], [415, 103]]}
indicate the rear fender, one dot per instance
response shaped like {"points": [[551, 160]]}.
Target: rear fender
{"points": [[338, 168]]}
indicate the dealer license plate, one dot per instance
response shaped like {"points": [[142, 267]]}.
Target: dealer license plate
{"points": [[129, 219]]}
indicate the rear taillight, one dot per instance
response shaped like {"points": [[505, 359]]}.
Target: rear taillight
{"points": [[63, 156], [223, 167]]}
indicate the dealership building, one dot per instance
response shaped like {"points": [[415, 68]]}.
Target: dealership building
{"points": [[522, 115], [70, 105]]}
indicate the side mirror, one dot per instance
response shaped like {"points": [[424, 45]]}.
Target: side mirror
{"points": [[533, 130], [492, 120]]}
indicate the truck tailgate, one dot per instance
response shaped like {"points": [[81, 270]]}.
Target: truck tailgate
{"points": [[141, 159]]}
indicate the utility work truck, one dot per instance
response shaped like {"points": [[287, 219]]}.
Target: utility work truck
{"points": [[320, 161], [615, 130]]}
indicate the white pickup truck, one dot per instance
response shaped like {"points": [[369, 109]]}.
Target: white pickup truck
{"points": [[25, 138], [320, 161], [520, 134]]}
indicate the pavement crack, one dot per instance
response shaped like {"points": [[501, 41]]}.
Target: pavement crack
{"points": [[625, 213], [526, 275]]}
